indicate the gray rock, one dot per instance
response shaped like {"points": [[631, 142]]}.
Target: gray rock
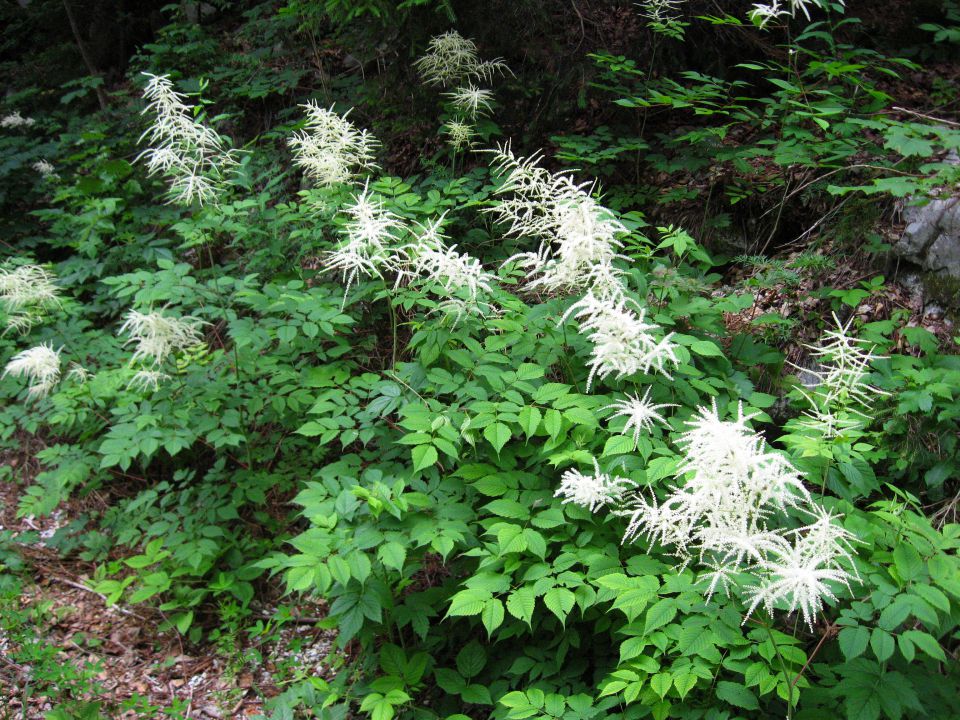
{"points": [[932, 236]]}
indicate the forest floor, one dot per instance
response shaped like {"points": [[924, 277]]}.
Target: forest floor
{"points": [[74, 645]]}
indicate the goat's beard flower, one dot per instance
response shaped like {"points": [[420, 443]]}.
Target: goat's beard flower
{"points": [[46, 169], [578, 236], [330, 149], [15, 119], [660, 11], [190, 154], [624, 343], [26, 292], [430, 259], [370, 234], [801, 574], [471, 100], [452, 58], [640, 414], [592, 491], [144, 380], [157, 336], [841, 389], [766, 13], [733, 486], [40, 365], [459, 134]]}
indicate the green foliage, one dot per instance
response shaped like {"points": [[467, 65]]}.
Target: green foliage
{"points": [[401, 464]]}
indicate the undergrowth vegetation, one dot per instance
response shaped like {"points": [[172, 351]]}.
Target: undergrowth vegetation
{"points": [[486, 364]]}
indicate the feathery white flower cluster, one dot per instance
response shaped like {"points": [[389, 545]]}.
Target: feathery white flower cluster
{"points": [[623, 342], [780, 8], [471, 101], [459, 134], [640, 414], [46, 169], [592, 491], [40, 365], [659, 12], [331, 149], [578, 236], [26, 292], [157, 337], [189, 154], [430, 258], [15, 119], [841, 388], [721, 515], [578, 246], [371, 234], [453, 60]]}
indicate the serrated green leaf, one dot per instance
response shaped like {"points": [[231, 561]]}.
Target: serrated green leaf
{"points": [[659, 614], [424, 456], [560, 602], [737, 694], [853, 641]]}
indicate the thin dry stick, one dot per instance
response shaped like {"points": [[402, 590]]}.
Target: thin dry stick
{"points": [[79, 586]]}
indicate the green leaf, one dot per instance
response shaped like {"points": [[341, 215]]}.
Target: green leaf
{"points": [[684, 683], [521, 603], [660, 614], [706, 348], [424, 456], [927, 643], [468, 602], [560, 602], [506, 508], [393, 555], [882, 644], [530, 418], [471, 659], [497, 434], [492, 615], [580, 416], [661, 683], [737, 694], [853, 641], [908, 562]]}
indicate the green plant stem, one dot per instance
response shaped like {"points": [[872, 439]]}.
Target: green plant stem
{"points": [[783, 669]]}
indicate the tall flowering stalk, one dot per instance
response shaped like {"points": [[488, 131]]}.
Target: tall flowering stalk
{"points": [[453, 60], [191, 155], [330, 149], [26, 293], [579, 243]]}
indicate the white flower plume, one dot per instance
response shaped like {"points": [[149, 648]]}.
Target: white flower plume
{"points": [[641, 414], [331, 149], [722, 514], [144, 380], [780, 8], [15, 119], [459, 134], [578, 236], [471, 100], [26, 292], [452, 58], [432, 260], [188, 153], [157, 336], [841, 393], [370, 235], [624, 343], [46, 169], [592, 491], [40, 365]]}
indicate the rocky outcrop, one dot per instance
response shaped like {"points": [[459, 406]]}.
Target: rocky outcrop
{"points": [[932, 236]]}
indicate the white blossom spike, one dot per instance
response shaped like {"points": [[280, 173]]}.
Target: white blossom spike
{"points": [[40, 365], [592, 491], [157, 336], [330, 149], [641, 414]]}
